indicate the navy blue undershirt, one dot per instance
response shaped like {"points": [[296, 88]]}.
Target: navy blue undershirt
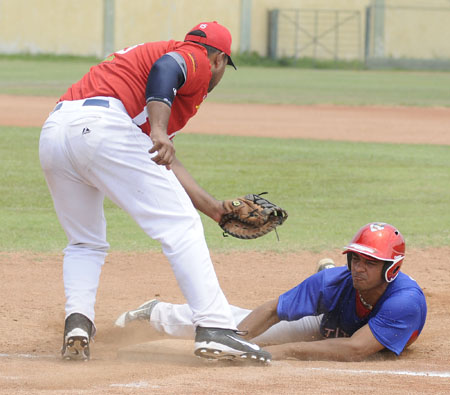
{"points": [[165, 78]]}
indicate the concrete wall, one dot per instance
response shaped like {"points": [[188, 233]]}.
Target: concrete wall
{"points": [[144, 20], [417, 28], [77, 26], [51, 26]]}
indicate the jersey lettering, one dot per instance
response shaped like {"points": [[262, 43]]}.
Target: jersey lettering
{"points": [[128, 49], [334, 333]]}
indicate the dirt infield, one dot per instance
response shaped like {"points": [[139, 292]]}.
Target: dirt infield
{"points": [[32, 295], [376, 124], [32, 317]]}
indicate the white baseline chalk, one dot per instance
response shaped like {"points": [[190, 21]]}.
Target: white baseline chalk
{"points": [[391, 372]]}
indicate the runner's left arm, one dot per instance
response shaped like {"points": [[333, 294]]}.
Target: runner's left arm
{"points": [[347, 349]]}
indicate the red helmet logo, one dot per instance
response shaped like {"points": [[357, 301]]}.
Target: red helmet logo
{"points": [[381, 241]]}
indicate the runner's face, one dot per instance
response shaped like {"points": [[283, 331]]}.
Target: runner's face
{"points": [[366, 273]]}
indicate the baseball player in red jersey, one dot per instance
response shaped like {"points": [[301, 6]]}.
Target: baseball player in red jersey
{"points": [[111, 135]]}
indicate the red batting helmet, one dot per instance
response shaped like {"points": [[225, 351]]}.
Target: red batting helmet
{"points": [[380, 241]]}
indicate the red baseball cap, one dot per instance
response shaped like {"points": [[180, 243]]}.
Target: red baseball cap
{"points": [[212, 34]]}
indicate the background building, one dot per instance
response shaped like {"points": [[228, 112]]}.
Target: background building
{"points": [[380, 32]]}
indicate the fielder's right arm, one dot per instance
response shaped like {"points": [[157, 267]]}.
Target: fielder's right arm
{"points": [[159, 114]]}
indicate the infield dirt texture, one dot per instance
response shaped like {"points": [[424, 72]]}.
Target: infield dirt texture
{"points": [[32, 295]]}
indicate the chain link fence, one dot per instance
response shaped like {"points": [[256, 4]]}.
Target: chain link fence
{"points": [[381, 36], [318, 34]]}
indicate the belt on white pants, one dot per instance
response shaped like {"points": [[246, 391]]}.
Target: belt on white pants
{"points": [[106, 102]]}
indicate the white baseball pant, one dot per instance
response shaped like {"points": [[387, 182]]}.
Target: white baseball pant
{"points": [[88, 152], [176, 320]]}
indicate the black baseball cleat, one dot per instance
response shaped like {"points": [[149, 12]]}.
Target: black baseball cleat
{"points": [[77, 333], [217, 343]]}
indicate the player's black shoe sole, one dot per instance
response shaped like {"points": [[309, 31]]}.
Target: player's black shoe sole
{"points": [[77, 348], [217, 343], [77, 331]]}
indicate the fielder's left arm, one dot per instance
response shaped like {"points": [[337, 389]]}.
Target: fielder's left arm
{"points": [[201, 199]]}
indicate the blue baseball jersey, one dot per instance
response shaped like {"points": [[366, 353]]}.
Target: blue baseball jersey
{"points": [[396, 320]]}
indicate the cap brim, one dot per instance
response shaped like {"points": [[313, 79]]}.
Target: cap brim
{"points": [[230, 62]]}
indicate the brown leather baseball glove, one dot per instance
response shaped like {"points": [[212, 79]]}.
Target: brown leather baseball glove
{"points": [[251, 216]]}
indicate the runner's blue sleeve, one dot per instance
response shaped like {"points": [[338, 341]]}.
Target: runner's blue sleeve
{"points": [[167, 75], [319, 293], [400, 320]]}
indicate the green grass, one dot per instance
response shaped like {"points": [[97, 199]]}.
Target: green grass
{"points": [[51, 76], [330, 189], [254, 59], [340, 87], [42, 76]]}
